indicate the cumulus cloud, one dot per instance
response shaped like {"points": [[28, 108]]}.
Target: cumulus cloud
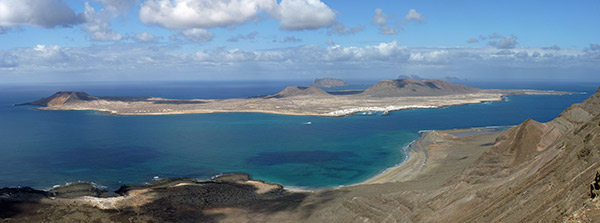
{"points": [[594, 46], [433, 57], [145, 37], [304, 14], [97, 25], [341, 29], [41, 13], [197, 35], [251, 35], [413, 15], [187, 14]]}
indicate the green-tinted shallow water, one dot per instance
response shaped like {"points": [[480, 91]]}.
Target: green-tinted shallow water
{"points": [[45, 148]]}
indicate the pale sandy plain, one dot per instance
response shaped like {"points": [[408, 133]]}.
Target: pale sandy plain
{"points": [[307, 105]]}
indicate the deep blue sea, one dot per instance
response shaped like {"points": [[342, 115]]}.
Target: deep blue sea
{"points": [[46, 148]]}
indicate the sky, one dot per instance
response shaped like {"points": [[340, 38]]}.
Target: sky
{"points": [[179, 40]]}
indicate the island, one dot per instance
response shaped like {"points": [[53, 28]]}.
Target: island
{"points": [[328, 82], [384, 96], [532, 172]]}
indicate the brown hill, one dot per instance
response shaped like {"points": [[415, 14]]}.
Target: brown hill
{"points": [[62, 97], [299, 91], [411, 87]]}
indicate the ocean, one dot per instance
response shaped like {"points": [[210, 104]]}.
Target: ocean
{"points": [[46, 148]]}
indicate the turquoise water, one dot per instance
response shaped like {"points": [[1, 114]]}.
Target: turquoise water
{"points": [[45, 148]]}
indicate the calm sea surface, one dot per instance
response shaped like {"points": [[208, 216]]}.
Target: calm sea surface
{"points": [[46, 148]]}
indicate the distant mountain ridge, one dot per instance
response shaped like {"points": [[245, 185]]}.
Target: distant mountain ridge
{"points": [[411, 87], [328, 82], [419, 78]]}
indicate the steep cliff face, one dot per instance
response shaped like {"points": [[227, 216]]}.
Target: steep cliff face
{"points": [[535, 172], [62, 97], [411, 87]]}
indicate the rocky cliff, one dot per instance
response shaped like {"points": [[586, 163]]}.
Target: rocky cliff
{"points": [[535, 172]]}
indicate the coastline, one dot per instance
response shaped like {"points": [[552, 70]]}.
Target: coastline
{"points": [[423, 154], [416, 164], [379, 106], [295, 105]]}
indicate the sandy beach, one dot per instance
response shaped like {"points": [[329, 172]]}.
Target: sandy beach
{"points": [[438, 153]]}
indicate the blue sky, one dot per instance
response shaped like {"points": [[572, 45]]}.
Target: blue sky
{"points": [[108, 40]]}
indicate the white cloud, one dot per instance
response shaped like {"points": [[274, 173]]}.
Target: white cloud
{"points": [[436, 57], [304, 14], [186, 14], [413, 15], [197, 35], [145, 37], [42, 13], [140, 61], [383, 52], [379, 18], [97, 25]]}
